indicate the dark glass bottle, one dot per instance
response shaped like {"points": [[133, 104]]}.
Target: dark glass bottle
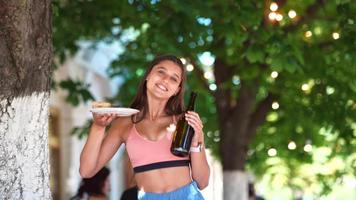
{"points": [[183, 135]]}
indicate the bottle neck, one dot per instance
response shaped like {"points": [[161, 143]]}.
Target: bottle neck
{"points": [[191, 105]]}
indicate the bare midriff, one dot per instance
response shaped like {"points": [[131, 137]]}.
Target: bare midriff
{"points": [[163, 180]]}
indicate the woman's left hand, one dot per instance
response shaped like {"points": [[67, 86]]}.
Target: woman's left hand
{"points": [[194, 121]]}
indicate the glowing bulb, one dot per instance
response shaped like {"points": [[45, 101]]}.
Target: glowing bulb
{"points": [[190, 67], [292, 145], [275, 105], [208, 75], [212, 87], [279, 17], [272, 16], [330, 90], [305, 87], [184, 61], [274, 74], [308, 148], [272, 152], [273, 6], [308, 34], [336, 36], [292, 14], [236, 80]]}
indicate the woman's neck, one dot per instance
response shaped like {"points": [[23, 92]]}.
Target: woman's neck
{"points": [[155, 109]]}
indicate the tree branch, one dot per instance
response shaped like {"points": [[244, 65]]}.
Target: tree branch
{"points": [[223, 74], [200, 75], [259, 116], [241, 112]]}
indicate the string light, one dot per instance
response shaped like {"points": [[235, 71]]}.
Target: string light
{"points": [[272, 152], [305, 87], [272, 16], [330, 90], [308, 148], [292, 14], [184, 61], [190, 67], [236, 80], [273, 6], [279, 17], [212, 87], [292, 145], [275, 105], [209, 133], [208, 75], [274, 74], [308, 34], [336, 35]]}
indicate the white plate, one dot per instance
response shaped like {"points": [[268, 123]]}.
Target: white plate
{"points": [[117, 111]]}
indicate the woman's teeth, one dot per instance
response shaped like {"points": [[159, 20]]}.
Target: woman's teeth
{"points": [[162, 87]]}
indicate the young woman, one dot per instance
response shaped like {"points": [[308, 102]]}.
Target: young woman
{"points": [[158, 173], [94, 188]]}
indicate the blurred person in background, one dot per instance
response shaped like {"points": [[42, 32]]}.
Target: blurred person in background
{"points": [[252, 194], [94, 188], [130, 193]]}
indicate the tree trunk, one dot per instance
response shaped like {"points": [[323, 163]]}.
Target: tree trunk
{"points": [[237, 131], [234, 144], [25, 60], [234, 154], [235, 185]]}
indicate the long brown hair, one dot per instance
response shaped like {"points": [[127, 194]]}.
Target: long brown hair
{"points": [[93, 186], [175, 104]]}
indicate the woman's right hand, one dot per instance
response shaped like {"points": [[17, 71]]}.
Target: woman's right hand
{"points": [[103, 120]]}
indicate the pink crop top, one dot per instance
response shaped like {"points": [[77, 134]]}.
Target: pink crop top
{"points": [[147, 155]]}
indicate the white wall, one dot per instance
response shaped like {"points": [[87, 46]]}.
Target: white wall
{"points": [[214, 191]]}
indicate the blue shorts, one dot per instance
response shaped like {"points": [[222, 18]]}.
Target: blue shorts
{"points": [[188, 192]]}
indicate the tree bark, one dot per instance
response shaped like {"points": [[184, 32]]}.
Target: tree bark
{"points": [[234, 144], [25, 60], [238, 125], [235, 185]]}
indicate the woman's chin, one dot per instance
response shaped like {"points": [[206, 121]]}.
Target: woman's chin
{"points": [[160, 94]]}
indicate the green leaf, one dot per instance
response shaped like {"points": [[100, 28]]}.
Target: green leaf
{"points": [[255, 54], [77, 91]]}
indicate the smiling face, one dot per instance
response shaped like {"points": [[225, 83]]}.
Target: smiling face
{"points": [[164, 80]]}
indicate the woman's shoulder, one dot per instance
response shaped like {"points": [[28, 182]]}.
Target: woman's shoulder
{"points": [[122, 126], [122, 122]]}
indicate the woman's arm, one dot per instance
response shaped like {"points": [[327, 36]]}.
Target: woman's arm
{"points": [[100, 147], [199, 163], [200, 168]]}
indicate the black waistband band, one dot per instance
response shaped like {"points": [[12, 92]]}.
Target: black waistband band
{"points": [[158, 165]]}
